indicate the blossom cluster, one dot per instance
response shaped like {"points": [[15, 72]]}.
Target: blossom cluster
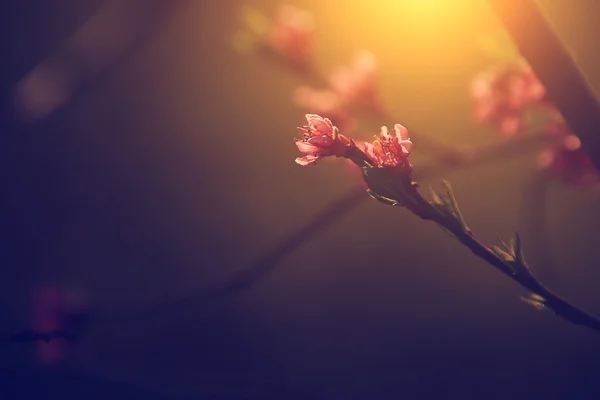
{"points": [[502, 95], [322, 139], [290, 37], [509, 97]]}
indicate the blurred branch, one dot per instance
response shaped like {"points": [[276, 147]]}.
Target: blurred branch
{"points": [[35, 336], [246, 278], [555, 66], [99, 47], [479, 155]]}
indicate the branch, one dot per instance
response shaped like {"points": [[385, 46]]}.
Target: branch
{"points": [[246, 278], [394, 186], [135, 23], [481, 155], [522, 275], [34, 336], [555, 66]]}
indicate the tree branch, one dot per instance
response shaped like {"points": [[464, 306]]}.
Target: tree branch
{"points": [[556, 68], [246, 278]]}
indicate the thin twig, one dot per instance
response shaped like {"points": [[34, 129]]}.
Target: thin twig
{"points": [[151, 17], [484, 154], [246, 278], [552, 301], [522, 275], [556, 68]]}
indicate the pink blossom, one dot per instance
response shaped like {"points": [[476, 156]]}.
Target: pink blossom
{"points": [[567, 159], [292, 36], [325, 102], [501, 95], [321, 139], [388, 150], [358, 82]]}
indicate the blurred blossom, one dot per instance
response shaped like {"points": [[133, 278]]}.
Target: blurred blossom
{"points": [[325, 102], [501, 95], [358, 82], [321, 139], [291, 36], [388, 150], [55, 310], [566, 158]]}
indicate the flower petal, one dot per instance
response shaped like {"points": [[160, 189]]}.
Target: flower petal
{"points": [[321, 141], [385, 133], [406, 146], [320, 124], [307, 148], [401, 132], [307, 160], [368, 149]]}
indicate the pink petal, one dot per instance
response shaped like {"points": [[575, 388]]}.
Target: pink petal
{"points": [[377, 148], [401, 132], [510, 125], [368, 149], [385, 133], [321, 141], [307, 160], [406, 146], [322, 125], [306, 147]]}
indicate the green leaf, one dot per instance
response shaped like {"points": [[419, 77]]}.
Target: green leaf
{"points": [[454, 204], [506, 246], [517, 249], [536, 301], [383, 199], [437, 201], [503, 255]]}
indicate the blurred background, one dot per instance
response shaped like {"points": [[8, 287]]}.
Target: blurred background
{"points": [[160, 161]]}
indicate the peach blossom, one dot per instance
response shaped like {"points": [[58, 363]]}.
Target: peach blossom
{"points": [[388, 150], [292, 36], [321, 139], [358, 82], [567, 159], [500, 96]]}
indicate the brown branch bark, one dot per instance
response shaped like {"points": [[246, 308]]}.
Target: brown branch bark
{"points": [[556, 67]]}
